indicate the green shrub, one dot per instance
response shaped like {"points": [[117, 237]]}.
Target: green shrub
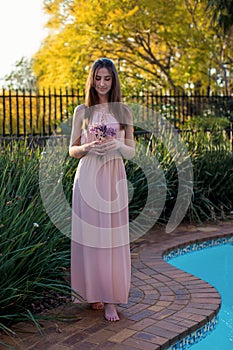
{"points": [[34, 255], [213, 190], [209, 143], [212, 165], [207, 133]]}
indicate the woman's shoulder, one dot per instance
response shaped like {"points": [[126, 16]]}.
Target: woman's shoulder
{"points": [[79, 108], [79, 112], [128, 113]]}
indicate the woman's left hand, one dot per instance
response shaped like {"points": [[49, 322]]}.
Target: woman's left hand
{"points": [[110, 145]]}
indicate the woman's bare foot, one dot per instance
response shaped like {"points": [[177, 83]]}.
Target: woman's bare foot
{"points": [[111, 312], [97, 306]]}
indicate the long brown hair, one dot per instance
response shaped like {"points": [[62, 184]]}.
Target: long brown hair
{"points": [[92, 97], [119, 110]]}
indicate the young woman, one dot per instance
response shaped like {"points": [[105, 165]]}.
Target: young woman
{"points": [[102, 134]]}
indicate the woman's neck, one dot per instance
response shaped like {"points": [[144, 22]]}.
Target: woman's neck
{"points": [[103, 99]]}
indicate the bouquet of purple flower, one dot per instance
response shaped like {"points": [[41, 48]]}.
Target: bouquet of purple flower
{"points": [[101, 131]]}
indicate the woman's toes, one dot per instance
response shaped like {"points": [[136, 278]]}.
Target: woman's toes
{"points": [[111, 313], [97, 306]]}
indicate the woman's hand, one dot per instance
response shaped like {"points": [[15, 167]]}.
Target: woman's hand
{"points": [[102, 147], [125, 147], [110, 144], [96, 147]]}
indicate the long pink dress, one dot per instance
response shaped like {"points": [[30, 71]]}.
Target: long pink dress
{"points": [[100, 252]]}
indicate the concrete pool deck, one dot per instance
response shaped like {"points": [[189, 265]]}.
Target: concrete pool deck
{"points": [[165, 303]]}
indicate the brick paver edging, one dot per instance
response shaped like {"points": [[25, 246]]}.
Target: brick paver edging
{"points": [[165, 303], [188, 302]]}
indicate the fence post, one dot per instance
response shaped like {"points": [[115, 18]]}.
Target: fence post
{"points": [[4, 113], [44, 113], [31, 113], [10, 113], [50, 105], [17, 113]]}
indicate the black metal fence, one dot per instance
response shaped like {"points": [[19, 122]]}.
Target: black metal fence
{"points": [[40, 113]]}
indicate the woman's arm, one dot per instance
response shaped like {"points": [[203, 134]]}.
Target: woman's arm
{"points": [[76, 150], [127, 149]]}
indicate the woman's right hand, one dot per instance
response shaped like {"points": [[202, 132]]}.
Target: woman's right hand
{"points": [[96, 147]]}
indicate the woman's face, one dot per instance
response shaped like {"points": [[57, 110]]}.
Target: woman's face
{"points": [[103, 81]]}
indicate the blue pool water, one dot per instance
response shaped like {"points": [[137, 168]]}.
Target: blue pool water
{"points": [[214, 265]]}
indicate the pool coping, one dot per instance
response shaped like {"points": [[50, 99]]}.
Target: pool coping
{"points": [[202, 303], [165, 303]]}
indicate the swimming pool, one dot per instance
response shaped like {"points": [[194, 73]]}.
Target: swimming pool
{"points": [[214, 265]]}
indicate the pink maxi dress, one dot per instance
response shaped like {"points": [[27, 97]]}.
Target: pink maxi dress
{"points": [[100, 251]]}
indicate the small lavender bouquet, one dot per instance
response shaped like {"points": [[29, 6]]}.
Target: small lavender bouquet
{"points": [[101, 131]]}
